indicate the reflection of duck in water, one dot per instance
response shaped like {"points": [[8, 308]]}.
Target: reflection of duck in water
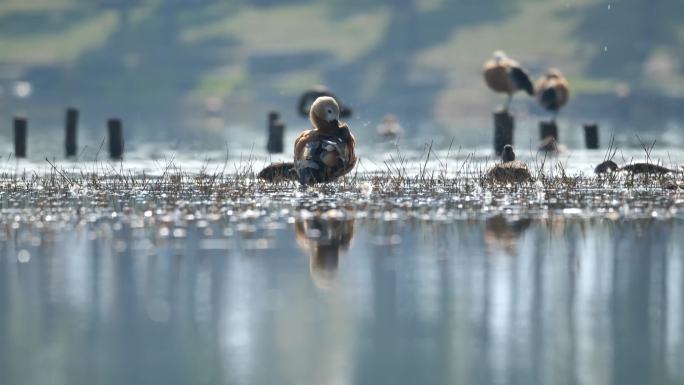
{"points": [[504, 235], [323, 239], [509, 170], [634, 168], [322, 154], [504, 75]]}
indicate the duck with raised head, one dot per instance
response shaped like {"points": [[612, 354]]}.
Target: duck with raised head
{"points": [[321, 154], [634, 168], [509, 170], [552, 91], [504, 75]]}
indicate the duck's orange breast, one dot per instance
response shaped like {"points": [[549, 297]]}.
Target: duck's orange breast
{"points": [[496, 77], [331, 156]]}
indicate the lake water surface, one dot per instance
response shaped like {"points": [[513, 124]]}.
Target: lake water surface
{"points": [[344, 299]]}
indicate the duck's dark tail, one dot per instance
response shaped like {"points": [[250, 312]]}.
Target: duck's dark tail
{"points": [[276, 172], [522, 80]]}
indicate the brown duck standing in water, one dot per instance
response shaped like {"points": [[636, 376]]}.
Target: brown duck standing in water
{"points": [[504, 75], [634, 168], [509, 170], [321, 154], [552, 91]]}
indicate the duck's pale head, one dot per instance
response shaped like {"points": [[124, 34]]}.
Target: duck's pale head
{"points": [[325, 109], [499, 55], [508, 155], [554, 73]]}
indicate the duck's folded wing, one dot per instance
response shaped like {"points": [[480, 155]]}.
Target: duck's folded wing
{"points": [[522, 80], [348, 156], [328, 157]]}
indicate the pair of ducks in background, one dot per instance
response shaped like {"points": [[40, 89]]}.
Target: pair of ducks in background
{"points": [[505, 75]]}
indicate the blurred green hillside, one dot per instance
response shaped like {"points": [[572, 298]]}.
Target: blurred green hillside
{"points": [[201, 65]]}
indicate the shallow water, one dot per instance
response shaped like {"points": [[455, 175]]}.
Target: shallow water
{"points": [[414, 272], [341, 299], [435, 156]]}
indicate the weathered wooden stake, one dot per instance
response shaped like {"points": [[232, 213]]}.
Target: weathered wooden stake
{"points": [[276, 130], [71, 138], [591, 137], [116, 140], [548, 129], [20, 135], [504, 124]]}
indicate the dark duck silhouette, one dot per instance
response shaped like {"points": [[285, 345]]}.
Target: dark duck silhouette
{"points": [[509, 170], [552, 91], [634, 168], [306, 101], [322, 154], [504, 75]]}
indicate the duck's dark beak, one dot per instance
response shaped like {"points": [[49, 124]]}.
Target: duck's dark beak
{"points": [[335, 123]]}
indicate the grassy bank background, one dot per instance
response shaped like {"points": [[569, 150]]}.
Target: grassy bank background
{"points": [[210, 66]]}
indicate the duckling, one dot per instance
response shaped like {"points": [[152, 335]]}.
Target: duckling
{"points": [[634, 168], [509, 170], [389, 128], [504, 75], [552, 91], [321, 154]]}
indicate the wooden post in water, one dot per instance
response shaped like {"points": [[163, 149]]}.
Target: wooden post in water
{"points": [[276, 130], [504, 124], [20, 136], [591, 137], [548, 129], [116, 140], [548, 132], [71, 137]]}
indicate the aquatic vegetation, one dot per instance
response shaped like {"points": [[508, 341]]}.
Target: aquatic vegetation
{"points": [[430, 186]]}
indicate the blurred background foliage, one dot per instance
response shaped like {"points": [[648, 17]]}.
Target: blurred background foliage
{"points": [[201, 66]]}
